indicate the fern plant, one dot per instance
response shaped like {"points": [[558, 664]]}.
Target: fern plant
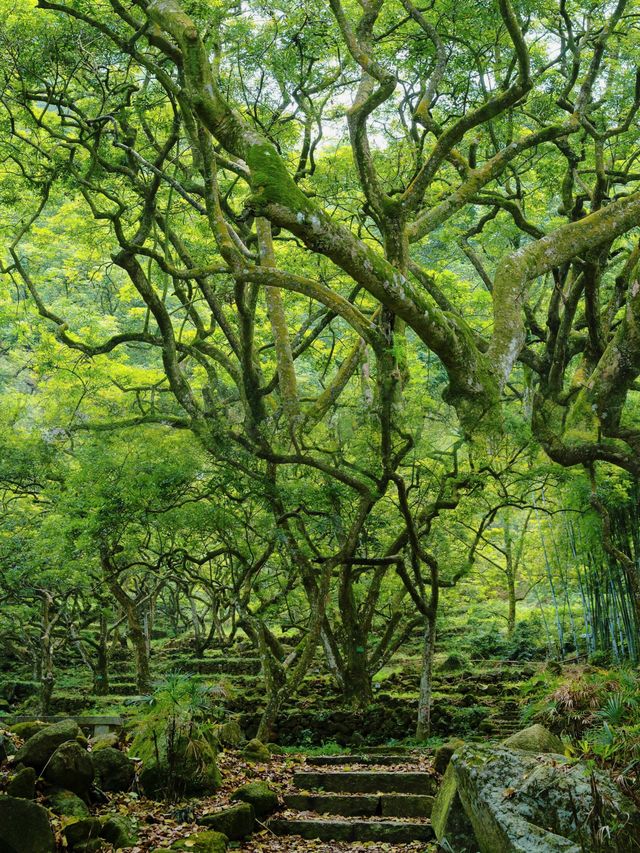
{"points": [[614, 710]]}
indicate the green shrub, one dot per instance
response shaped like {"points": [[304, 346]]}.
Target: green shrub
{"points": [[174, 736], [600, 658]]}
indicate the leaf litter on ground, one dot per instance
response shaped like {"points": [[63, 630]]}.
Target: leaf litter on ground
{"points": [[161, 823]]}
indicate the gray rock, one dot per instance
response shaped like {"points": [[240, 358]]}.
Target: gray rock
{"points": [[114, 770], [23, 784], [70, 767], [24, 827], [521, 802], [37, 751]]}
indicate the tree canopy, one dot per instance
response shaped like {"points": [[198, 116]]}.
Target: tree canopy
{"points": [[318, 309]]}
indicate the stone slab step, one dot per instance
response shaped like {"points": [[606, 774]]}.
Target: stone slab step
{"points": [[406, 805], [345, 805], [224, 666], [353, 805], [390, 750], [384, 831], [364, 782], [377, 758]]}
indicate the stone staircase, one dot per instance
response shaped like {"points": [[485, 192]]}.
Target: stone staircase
{"points": [[346, 805]]}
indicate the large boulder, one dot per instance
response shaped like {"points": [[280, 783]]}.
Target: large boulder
{"points": [[259, 795], [523, 802], [23, 784], [235, 822], [24, 827], [37, 751], [536, 739], [114, 770], [450, 823], [70, 767]]}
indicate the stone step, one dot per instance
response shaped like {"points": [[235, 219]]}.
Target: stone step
{"points": [[352, 805], [345, 805], [224, 666], [380, 759], [391, 750], [408, 782], [383, 831]]}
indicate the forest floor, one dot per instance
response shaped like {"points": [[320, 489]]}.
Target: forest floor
{"points": [[161, 824]]}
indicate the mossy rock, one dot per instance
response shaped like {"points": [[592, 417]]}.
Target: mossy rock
{"points": [[275, 749], [108, 740], [259, 795], [114, 770], [452, 663], [7, 747], [27, 730], [443, 754], [81, 829], [70, 767], [235, 822], [39, 748], [256, 751], [23, 784], [119, 830], [230, 734], [202, 842], [93, 845], [24, 827], [535, 739], [522, 802], [67, 803], [450, 823]]}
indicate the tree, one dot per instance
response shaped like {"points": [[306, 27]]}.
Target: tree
{"points": [[272, 295]]}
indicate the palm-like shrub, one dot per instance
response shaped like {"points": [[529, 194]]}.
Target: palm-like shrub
{"points": [[174, 737]]}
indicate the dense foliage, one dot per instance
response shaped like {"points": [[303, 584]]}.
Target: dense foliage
{"points": [[319, 322]]}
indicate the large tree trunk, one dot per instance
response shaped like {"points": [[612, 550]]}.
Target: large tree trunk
{"points": [[137, 636], [357, 678]]}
